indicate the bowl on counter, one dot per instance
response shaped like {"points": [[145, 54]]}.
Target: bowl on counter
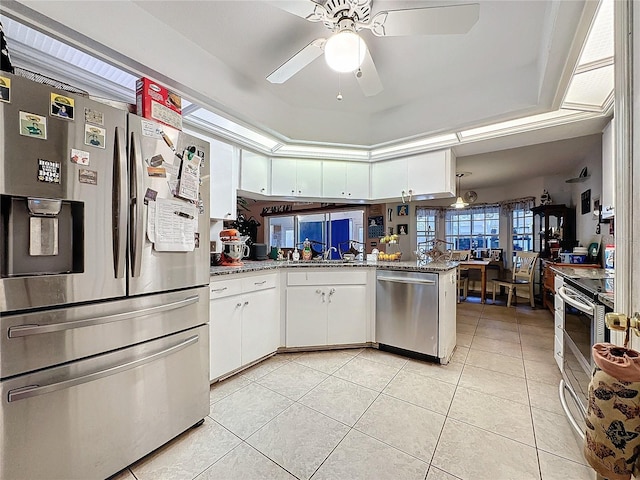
{"points": [[578, 258]]}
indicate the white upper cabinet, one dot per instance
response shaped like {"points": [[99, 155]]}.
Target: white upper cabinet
{"points": [[254, 173], [296, 178], [421, 177], [608, 172], [345, 180], [224, 179]]}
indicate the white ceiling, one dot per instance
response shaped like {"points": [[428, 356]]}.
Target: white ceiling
{"points": [[517, 60]]}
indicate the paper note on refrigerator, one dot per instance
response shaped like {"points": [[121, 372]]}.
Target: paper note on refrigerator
{"points": [[189, 177], [174, 226], [151, 221]]}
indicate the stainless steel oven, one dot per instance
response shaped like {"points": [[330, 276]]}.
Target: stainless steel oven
{"points": [[583, 327]]}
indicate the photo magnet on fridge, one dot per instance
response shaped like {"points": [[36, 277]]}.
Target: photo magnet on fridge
{"points": [[32, 125], [61, 106], [5, 89], [95, 136]]}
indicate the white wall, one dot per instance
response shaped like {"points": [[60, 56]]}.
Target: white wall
{"points": [[586, 224]]}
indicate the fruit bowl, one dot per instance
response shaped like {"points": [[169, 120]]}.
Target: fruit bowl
{"points": [[389, 257]]}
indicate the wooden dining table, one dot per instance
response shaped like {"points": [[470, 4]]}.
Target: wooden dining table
{"points": [[478, 265]]}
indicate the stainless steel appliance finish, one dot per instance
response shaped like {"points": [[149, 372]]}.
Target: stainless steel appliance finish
{"points": [[93, 417], [583, 327], [407, 311], [104, 347]]}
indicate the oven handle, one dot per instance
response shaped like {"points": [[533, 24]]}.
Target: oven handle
{"points": [[36, 390], [583, 307], [565, 407], [35, 329]]}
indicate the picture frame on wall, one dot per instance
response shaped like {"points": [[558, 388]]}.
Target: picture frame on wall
{"points": [[403, 229], [585, 202], [596, 208]]}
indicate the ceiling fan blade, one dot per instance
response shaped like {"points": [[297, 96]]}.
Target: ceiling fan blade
{"points": [[451, 19], [307, 9], [296, 63], [368, 78]]}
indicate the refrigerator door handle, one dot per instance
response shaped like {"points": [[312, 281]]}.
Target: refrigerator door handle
{"points": [[136, 206], [34, 329], [120, 205], [36, 390]]}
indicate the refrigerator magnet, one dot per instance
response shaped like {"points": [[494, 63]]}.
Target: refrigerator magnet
{"points": [[150, 129], [89, 177], [95, 136], [156, 172], [93, 116], [48, 171], [156, 161], [150, 195], [32, 125], [79, 156], [5, 90], [62, 107]]}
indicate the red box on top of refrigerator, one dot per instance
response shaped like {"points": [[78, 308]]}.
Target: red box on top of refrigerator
{"points": [[155, 102]]}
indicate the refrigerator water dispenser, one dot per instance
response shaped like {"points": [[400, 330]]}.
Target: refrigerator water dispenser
{"points": [[41, 236]]}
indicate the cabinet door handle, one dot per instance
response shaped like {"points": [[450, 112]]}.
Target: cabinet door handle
{"points": [[219, 289], [260, 283], [238, 305], [262, 189], [331, 292], [246, 303]]}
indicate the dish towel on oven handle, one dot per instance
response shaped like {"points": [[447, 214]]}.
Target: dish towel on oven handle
{"points": [[612, 440]]}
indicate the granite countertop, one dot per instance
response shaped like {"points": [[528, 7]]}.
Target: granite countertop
{"points": [[580, 272], [254, 266], [597, 280]]}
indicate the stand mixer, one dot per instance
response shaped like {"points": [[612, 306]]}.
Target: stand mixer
{"points": [[234, 248]]}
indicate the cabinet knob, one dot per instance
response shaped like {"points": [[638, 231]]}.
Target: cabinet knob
{"points": [[299, 191], [293, 191], [342, 193], [246, 303], [238, 305], [262, 189]]}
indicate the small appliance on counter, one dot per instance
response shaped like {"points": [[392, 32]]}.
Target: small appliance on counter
{"points": [[260, 251], [234, 248]]}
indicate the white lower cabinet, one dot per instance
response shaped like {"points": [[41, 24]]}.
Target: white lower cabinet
{"points": [[324, 308], [260, 325], [244, 321]]}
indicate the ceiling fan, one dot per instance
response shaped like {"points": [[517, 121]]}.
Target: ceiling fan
{"points": [[345, 51]]}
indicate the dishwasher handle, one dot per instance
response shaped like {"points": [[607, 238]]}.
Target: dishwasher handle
{"points": [[414, 281]]}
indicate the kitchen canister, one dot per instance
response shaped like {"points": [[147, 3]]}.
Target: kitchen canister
{"points": [[609, 257]]}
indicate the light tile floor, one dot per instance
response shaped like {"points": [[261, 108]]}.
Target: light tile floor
{"points": [[492, 413]]}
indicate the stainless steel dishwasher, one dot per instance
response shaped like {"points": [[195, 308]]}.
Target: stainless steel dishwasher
{"points": [[407, 312]]}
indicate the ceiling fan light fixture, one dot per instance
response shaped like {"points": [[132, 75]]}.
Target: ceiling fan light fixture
{"points": [[345, 51]]}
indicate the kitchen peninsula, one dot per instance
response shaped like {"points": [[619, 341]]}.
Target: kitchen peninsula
{"points": [[262, 307]]}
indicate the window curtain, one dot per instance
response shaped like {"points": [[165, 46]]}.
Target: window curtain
{"points": [[525, 203]]}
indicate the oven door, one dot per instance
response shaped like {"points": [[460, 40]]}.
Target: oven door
{"points": [[583, 326]]}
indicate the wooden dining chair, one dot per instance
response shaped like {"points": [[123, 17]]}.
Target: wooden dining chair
{"points": [[522, 275], [462, 274]]}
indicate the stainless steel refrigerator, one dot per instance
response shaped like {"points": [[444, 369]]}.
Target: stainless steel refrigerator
{"points": [[104, 267]]}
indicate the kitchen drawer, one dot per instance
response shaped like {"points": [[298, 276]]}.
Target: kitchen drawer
{"points": [[337, 276], [225, 288], [259, 282]]}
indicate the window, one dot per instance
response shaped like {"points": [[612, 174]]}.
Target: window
{"points": [[281, 232], [522, 227], [426, 220], [473, 228], [326, 229]]}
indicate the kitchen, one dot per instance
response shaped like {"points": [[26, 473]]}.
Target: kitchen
{"points": [[536, 191]]}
